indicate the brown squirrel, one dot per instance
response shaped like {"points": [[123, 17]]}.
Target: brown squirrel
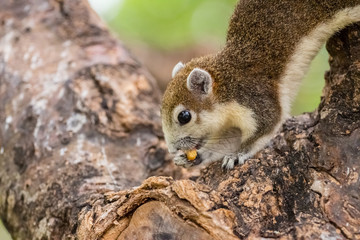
{"points": [[229, 105]]}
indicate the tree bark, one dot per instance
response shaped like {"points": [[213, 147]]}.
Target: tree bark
{"points": [[81, 129]]}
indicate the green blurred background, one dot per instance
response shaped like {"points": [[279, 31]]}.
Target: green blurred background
{"points": [[161, 32], [4, 235]]}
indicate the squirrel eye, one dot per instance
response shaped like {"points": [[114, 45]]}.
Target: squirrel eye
{"points": [[184, 117]]}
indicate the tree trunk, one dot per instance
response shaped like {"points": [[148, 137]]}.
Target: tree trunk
{"points": [[81, 128]]}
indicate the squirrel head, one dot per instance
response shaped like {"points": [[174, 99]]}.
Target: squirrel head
{"points": [[188, 95], [197, 115]]}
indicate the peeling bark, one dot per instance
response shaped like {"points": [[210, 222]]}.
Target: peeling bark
{"points": [[80, 130]]}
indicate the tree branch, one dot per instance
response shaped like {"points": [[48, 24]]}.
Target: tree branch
{"points": [[81, 129], [80, 117]]}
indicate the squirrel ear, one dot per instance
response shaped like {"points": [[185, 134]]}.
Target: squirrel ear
{"points": [[199, 81], [177, 67]]}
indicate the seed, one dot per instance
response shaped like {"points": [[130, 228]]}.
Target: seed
{"points": [[191, 154]]}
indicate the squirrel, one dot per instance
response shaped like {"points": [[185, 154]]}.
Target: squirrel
{"points": [[227, 106]]}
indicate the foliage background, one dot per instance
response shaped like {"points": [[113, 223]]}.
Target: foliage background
{"points": [[161, 33], [3, 233], [179, 25]]}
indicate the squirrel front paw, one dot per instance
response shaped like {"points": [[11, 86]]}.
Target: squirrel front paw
{"points": [[181, 159], [230, 160]]}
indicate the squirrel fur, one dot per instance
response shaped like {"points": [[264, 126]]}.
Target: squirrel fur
{"points": [[233, 102]]}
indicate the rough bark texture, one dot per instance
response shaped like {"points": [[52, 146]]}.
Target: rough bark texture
{"points": [[80, 128], [79, 117]]}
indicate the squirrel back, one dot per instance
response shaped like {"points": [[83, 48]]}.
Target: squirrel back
{"points": [[229, 105], [280, 39]]}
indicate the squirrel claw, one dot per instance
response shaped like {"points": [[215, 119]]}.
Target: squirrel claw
{"points": [[229, 162]]}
